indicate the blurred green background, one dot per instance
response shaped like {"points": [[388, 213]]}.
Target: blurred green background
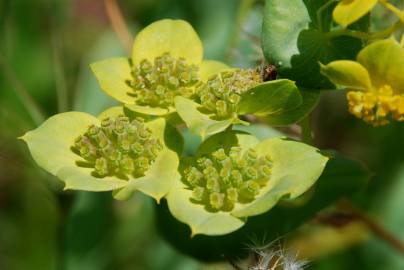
{"points": [[45, 50]]}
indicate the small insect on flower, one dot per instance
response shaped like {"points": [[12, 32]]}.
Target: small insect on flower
{"points": [[269, 73]]}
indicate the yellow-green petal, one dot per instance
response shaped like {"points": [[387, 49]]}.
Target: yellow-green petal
{"points": [[296, 167], [384, 61], [176, 37], [50, 146], [197, 122], [199, 220], [50, 143], [347, 73], [148, 110], [349, 11], [112, 75], [210, 67], [111, 112], [80, 178]]}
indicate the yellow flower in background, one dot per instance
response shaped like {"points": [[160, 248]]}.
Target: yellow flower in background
{"points": [[375, 82], [349, 11], [166, 62]]}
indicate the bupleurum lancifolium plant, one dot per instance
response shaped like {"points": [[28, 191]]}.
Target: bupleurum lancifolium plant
{"points": [[134, 147]]}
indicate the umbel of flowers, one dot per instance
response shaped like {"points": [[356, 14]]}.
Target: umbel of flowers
{"points": [[375, 82], [135, 147], [166, 62]]}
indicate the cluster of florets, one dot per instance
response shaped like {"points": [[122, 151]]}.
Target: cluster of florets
{"points": [[157, 84], [118, 147], [224, 179], [221, 94], [376, 107]]}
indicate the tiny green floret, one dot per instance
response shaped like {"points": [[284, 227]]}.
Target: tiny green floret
{"points": [[224, 179], [156, 84], [118, 147], [221, 94]]}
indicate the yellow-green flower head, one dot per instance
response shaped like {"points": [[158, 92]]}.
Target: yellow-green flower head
{"points": [[349, 11], [112, 152], [233, 92], [224, 179], [118, 147], [221, 94], [234, 176], [166, 62], [375, 82]]}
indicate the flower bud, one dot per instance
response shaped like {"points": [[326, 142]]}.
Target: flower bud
{"points": [[216, 200], [198, 194]]}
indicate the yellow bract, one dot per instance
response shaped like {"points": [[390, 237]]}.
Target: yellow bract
{"points": [[176, 37], [375, 82], [166, 62], [349, 11]]}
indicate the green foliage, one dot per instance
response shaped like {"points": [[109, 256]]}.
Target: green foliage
{"points": [[307, 41]]}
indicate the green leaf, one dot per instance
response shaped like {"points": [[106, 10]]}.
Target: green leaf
{"points": [[270, 98], [347, 73], [159, 179], [282, 24], [296, 167], [349, 11], [306, 43], [198, 122], [341, 178], [315, 46], [112, 75], [310, 99]]}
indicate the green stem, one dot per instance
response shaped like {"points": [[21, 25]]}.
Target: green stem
{"points": [[399, 13], [306, 133], [320, 11], [32, 107], [363, 35]]}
